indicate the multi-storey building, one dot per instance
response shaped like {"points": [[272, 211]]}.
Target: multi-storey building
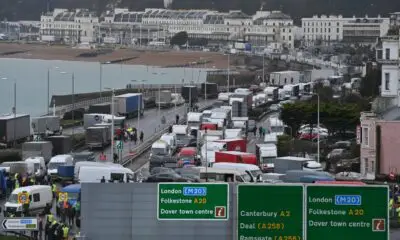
{"points": [[327, 29], [69, 26], [264, 28], [395, 19], [365, 31]]}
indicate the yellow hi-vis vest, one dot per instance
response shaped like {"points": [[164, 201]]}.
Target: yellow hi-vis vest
{"points": [[65, 231], [391, 201], [53, 188], [398, 211], [50, 218]]}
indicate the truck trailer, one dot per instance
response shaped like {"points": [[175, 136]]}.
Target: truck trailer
{"points": [[14, 128], [49, 125], [190, 94], [37, 149], [61, 144], [164, 99], [129, 105], [210, 90], [236, 157], [98, 137], [284, 164]]}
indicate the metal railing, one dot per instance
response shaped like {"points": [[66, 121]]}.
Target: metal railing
{"points": [[61, 110]]}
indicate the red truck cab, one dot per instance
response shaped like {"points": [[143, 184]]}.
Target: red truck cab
{"points": [[209, 126], [187, 156]]}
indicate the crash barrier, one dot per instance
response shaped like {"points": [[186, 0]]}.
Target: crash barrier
{"points": [[142, 148]]}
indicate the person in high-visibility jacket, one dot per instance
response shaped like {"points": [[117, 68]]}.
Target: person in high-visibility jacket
{"points": [[398, 214], [391, 202], [16, 179], [54, 190], [65, 232], [32, 180]]}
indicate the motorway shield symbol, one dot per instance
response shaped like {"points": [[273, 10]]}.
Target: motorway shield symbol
{"points": [[62, 197]]}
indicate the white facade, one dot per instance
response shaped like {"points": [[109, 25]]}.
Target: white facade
{"points": [[263, 28], [365, 30], [388, 55], [330, 28], [284, 78], [76, 26], [395, 19]]}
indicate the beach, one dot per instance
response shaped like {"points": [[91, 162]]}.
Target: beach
{"points": [[165, 58]]}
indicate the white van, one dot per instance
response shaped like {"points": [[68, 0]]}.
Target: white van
{"points": [[40, 197], [160, 148], [20, 167], [252, 170], [223, 175], [78, 166], [94, 174], [59, 160], [170, 139], [39, 165]]}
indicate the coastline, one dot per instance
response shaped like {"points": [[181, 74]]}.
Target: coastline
{"points": [[165, 58]]}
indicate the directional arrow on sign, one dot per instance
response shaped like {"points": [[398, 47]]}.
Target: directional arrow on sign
{"points": [[4, 223], [20, 224]]}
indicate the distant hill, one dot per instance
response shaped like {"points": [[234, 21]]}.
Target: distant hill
{"points": [[31, 9]]}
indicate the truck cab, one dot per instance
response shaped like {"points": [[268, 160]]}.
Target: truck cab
{"points": [[160, 147]]}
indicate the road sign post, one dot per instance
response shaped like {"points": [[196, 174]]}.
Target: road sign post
{"points": [[119, 145], [184, 201], [270, 212], [347, 212], [15, 224]]}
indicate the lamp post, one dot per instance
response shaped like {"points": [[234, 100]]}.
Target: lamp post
{"points": [[318, 127], [229, 69], [14, 110], [112, 121], [48, 87], [101, 76], [72, 96]]}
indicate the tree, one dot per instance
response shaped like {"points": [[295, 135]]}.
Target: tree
{"points": [[181, 38], [335, 116], [369, 86]]}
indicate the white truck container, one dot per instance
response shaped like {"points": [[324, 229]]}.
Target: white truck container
{"points": [[164, 100], [275, 125], [46, 125], [224, 96], [266, 155], [284, 164], [284, 77], [272, 94], [194, 119], [37, 149], [91, 119], [98, 137], [14, 128]]}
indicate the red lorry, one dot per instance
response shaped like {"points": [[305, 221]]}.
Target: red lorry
{"points": [[238, 145], [236, 157]]}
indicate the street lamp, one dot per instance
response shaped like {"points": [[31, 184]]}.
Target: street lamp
{"points": [[229, 69], [101, 76], [48, 87], [319, 132], [15, 103], [72, 97], [112, 121]]}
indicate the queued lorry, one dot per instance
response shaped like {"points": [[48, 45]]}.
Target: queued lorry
{"points": [[47, 125], [61, 144], [129, 105], [266, 155], [91, 119], [284, 164], [164, 99], [98, 136], [14, 128], [37, 149], [210, 90], [272, 94], [103, 108], [190, 94], [236, 157]]}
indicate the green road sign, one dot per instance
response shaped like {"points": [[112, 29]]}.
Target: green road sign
{"points": [[347, 212], [182, 201], [119, 145], [270, 212]]}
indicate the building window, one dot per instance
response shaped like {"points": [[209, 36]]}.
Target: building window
{"points": [[283, 38], [387, 54], [337, 30], [290, 38], [387, 81], [285, 80], [365, 135], [366, 167]]}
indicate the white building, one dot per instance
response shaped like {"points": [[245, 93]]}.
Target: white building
{"points": [[327, 29], [387, 53], [283, 78], [263, 28], [365, 31], [395, 19], [67, 26]]}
